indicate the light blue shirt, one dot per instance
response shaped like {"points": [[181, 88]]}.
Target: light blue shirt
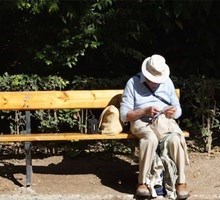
{"points": [[136, 96]]}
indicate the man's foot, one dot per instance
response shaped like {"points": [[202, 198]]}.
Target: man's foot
{"points": [[143, 191], [181, 191]]}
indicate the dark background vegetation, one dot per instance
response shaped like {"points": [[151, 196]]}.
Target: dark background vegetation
{"points": [[96, 44]]}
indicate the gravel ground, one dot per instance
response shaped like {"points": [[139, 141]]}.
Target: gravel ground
{"points": [[98, 178], [93, 197]]}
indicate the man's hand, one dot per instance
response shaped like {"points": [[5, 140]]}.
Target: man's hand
{"points": [[151, 111], [170, 112]]}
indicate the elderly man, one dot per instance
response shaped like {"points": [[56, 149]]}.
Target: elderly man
{"points": [[145, 96]]}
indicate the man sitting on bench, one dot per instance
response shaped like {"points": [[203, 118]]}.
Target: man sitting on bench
{"points": [[150, 104]]}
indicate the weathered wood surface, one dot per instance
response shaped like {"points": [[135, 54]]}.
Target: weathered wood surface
{"points": [[62, 137], [34, 100]]}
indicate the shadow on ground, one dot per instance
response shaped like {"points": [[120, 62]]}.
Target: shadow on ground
{"points": [[113, 172]]}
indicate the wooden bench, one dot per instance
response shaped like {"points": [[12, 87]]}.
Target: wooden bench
{"points": [[44, 100]]}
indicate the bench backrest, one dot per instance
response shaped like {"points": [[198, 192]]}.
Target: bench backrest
{"points": [[82, 99]]}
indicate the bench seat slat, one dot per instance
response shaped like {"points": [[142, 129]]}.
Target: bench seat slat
{"points": [[66, 136], [62, 136]]}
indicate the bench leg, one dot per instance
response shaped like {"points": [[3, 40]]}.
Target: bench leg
{"points": [[28, 163], [28, 150]]}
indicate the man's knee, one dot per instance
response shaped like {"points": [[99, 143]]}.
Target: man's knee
{"points": [[174, 140], [150, 140]]}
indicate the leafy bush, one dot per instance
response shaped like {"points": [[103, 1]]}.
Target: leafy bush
{"points": [[201, 110], [47, 120]]}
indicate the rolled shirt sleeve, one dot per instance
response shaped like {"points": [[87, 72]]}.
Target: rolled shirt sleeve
{"points": [[127, 102]]}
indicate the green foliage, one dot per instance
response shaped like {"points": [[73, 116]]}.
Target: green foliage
{"points": [[54, 120], [78, 29], [55, 36], [52, 83], [31, 82], [102, 4], [200, 99], [51, 120], [84, 82], [18, 82], [36, 6]]}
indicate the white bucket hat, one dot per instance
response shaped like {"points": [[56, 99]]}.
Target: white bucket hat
{"points": [[155, 69]]}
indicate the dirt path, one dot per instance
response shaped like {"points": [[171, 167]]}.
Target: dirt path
{"points": [[99, 177]]}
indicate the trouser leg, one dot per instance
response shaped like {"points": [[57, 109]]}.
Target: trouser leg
{"points": [[176, 153], [147, 149]]}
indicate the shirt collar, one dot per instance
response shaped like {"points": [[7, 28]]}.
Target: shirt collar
{"points": [[142, 78]]}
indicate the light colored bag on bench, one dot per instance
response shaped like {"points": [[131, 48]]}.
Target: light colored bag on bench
{"points": [[109, 121]]}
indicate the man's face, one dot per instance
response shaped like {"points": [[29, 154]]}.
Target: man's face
{"points": [[152, 85]]}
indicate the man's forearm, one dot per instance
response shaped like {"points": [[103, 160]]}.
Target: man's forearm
{"points": [[136, 114]]}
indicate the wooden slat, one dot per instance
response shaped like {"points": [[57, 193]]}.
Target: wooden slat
{"points": [[62, 136], [177, 90], [34, 100], [66, 136]]}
